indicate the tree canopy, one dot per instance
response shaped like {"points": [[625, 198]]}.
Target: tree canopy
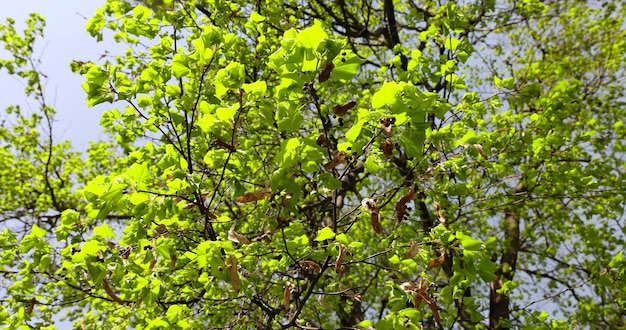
{"points": [[323, 165]]}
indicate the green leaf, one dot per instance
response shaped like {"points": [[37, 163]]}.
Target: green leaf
{"points": [[469, 137], [394, 260], [311, 37], [355, 245], [230, 77], [468, 242], [138, 173], [96, 272], [508, 83], [173, 313], [104, 231], [36, 231], [341, 238], [384, 324], [346, 66], [202, 54], [88, 249], [225, 114], [486, 269], [530, 91], [138, 198], [256, 17], [172, 90], [180, 65], [354, 132], [302, 240], [288, 151], [371, 164], [44, 263], [452, 43], [140, 12], [365, 323], [158, 323], [96, 86], [412, 140], [256, 89], [328, 181], [386, 95], [617, 260], [289, 119], [324, 234], [538, 145]]}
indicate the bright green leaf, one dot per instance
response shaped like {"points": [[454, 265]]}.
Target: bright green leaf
{"points": [[324, 234], [311, 37], [386, 95], [468, 242], [180, 66], [104, 231]]}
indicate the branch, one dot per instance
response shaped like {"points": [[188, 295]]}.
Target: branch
{"points": [[302, 303], [499, 309], [47, 111], [553, 278], [392, 35]]}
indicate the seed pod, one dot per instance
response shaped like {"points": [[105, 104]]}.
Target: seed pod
{"points": [[339, 159], [342, 253], [437, 261], [237, 238], [413, 249], [289, 287], [341, 110], [370, 206], [375, 220], [401, 204], [387, 126], [228, 146], [321, 141], [233, 273], [325, 74], [387, 147], [440, 216], [255, 195], [310, 264]]}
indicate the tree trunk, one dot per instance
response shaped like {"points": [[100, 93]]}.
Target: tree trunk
{"points": [[499, 309]]}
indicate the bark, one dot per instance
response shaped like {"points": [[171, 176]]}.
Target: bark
{"points": [[391, 35], [499, 308]]}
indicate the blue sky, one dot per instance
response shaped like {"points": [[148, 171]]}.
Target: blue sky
{"points": [[65, 39]]}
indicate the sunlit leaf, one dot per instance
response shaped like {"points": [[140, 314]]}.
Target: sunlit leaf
{"points": [[180, 66], [324, 234], [104, 231]]}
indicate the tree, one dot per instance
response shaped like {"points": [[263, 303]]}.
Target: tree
{"points": [[39, 177], [336, 164]]}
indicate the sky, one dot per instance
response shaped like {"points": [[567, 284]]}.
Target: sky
{"points": [[65, 39]]}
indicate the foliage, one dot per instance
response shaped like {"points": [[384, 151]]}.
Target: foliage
{"points": [[38, 180], [328, 165]]}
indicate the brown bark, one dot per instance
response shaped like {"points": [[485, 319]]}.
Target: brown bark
{"points": [[499, 308]]}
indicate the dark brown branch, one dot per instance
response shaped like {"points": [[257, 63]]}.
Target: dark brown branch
{"points": [[308, 293], [499, 309], [391, 35]]}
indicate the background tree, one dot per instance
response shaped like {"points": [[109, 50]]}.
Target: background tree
{"points": [[39, 176], [344, 165]]}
